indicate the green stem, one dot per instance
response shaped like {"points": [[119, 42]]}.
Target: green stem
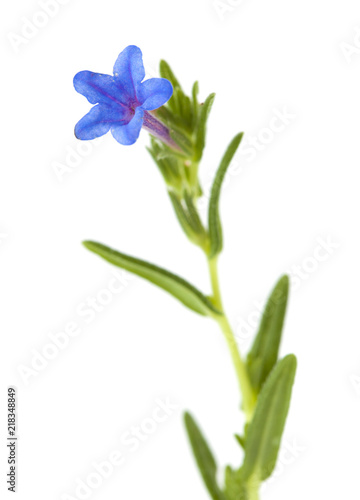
{"points": [[253, 489], [253, 494], [215, 282], [242, 375]]}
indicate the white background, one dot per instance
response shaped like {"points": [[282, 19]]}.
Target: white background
{"points": [[302, 188]]}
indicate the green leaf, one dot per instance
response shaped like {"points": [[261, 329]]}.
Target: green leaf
{"points": [[166, 72], [194, 215], [235, 489], [215, 229], [164, 115], [241, 441], [204, 458], [175, 123], [163, 164], [189, 219], [183, 141], [183, 216], [185, 110], [266, 428], [264, 352], [201, 128], [176, 286], [195, 102]]}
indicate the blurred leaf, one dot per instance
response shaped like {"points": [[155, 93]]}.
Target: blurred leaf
{"points": [[264, 352], [163, 161], [188, 221], [183, 141], [175, 123], [235, 488], [266, 428], [204, 458], [166, 72], [185, 110], [195, 102], [194, 215], [240, 440], [201, 128], [176, 286], [194, 94], [215, 229], [164, 114]]}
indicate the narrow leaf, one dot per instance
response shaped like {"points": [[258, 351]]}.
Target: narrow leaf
{"points": [[176, 286], [173, 121], [195, 102], [204, 458], [201, 129], [215, 229], [163, 167], [240, 440], [185, 109], [266, 428], [164, 114], [182, 215], [194, 215], [166, 72], [183, 141], [264, 352]]}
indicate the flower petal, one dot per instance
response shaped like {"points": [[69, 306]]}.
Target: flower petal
{"points": [[98, 121], [154, 93], [128, 134], [129, 69], [99, 88]]}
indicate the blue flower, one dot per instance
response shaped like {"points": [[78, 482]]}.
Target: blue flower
{"points": [[123, 101]]}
